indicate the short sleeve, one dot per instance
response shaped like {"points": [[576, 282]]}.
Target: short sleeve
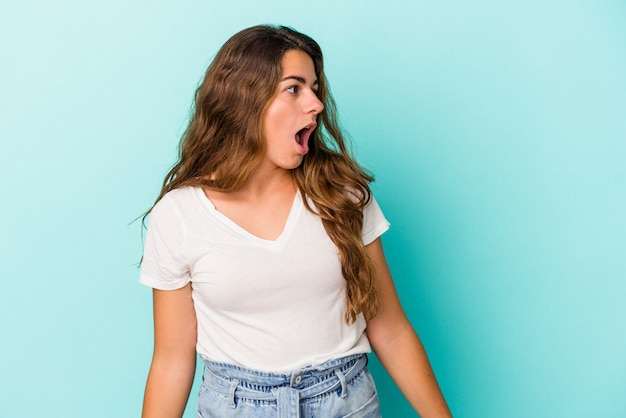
{"points": [[374, 222], [164, 266]]}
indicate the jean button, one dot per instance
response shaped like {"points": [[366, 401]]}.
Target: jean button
{"points": [[298, 380]]}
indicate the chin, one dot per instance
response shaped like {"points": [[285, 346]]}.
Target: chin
{"points": [[294, 164]]}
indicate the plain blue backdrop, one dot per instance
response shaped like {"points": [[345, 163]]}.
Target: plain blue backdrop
{"points": [[496, 131]]}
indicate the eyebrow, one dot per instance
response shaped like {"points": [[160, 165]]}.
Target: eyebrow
{"points": [[298, 79]]}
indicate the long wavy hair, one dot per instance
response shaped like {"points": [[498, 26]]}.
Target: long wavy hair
{"points": [[224, 143]]}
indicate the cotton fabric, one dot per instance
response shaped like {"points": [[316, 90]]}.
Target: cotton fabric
{"points": [[273, 305]]}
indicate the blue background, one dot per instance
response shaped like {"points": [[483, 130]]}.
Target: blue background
{"points": [[497, 134]]}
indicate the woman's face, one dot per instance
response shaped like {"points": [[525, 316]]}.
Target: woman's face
{"points": [[291, 115]]}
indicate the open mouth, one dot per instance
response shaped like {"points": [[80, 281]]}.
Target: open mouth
{"points": [[303, 135]]}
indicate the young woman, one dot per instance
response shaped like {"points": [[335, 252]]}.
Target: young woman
{"points": [[265, 256]]}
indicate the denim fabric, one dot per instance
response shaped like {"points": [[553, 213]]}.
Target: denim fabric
{"points": [[337, 389]]}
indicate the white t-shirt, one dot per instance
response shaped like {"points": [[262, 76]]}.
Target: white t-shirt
{"points": [[272, 305]]}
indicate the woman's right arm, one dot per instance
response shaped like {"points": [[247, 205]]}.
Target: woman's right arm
{"points": [[174, 358]]}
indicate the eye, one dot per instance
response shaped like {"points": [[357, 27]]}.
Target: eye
{"points": [[292, 89]]}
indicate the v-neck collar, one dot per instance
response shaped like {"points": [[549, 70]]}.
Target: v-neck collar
{"points": [[226, 222]]}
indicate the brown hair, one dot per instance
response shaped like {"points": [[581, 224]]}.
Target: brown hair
{"points": [[224, 143]]}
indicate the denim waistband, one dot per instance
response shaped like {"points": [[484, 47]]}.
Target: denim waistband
{"points": [[285, 388]]}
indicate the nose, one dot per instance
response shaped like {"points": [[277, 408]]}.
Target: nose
{"points": [[314, 104]]}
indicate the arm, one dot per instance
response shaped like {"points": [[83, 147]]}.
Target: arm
{"points": [[398, 347], [174, 358]]}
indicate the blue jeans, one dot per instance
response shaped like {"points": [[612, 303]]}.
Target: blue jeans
{"points": [[338, 388]]}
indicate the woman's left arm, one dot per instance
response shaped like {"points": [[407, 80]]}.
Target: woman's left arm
{"points": [[398, 347]]}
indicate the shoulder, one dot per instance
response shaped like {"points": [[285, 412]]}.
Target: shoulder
{"points": [[177, 199], [179, 196], [372, 205], [374, 221], [175, 204]]}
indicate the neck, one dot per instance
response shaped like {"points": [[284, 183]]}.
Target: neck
{"points": [[263, 182]]}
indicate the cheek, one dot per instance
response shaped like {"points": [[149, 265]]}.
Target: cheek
{"points": [[271, 118], [269, 122], [278, 122]]}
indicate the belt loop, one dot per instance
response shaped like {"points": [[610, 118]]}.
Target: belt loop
{"points": [[287, 402], [231, 392], [342, 379]]}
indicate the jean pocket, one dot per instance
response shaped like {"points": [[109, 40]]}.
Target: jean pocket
{"points": [[363, 390], [371, 409], [211, 404]]}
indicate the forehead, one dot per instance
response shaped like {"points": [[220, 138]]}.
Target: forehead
{"points": [[298, 63]]}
